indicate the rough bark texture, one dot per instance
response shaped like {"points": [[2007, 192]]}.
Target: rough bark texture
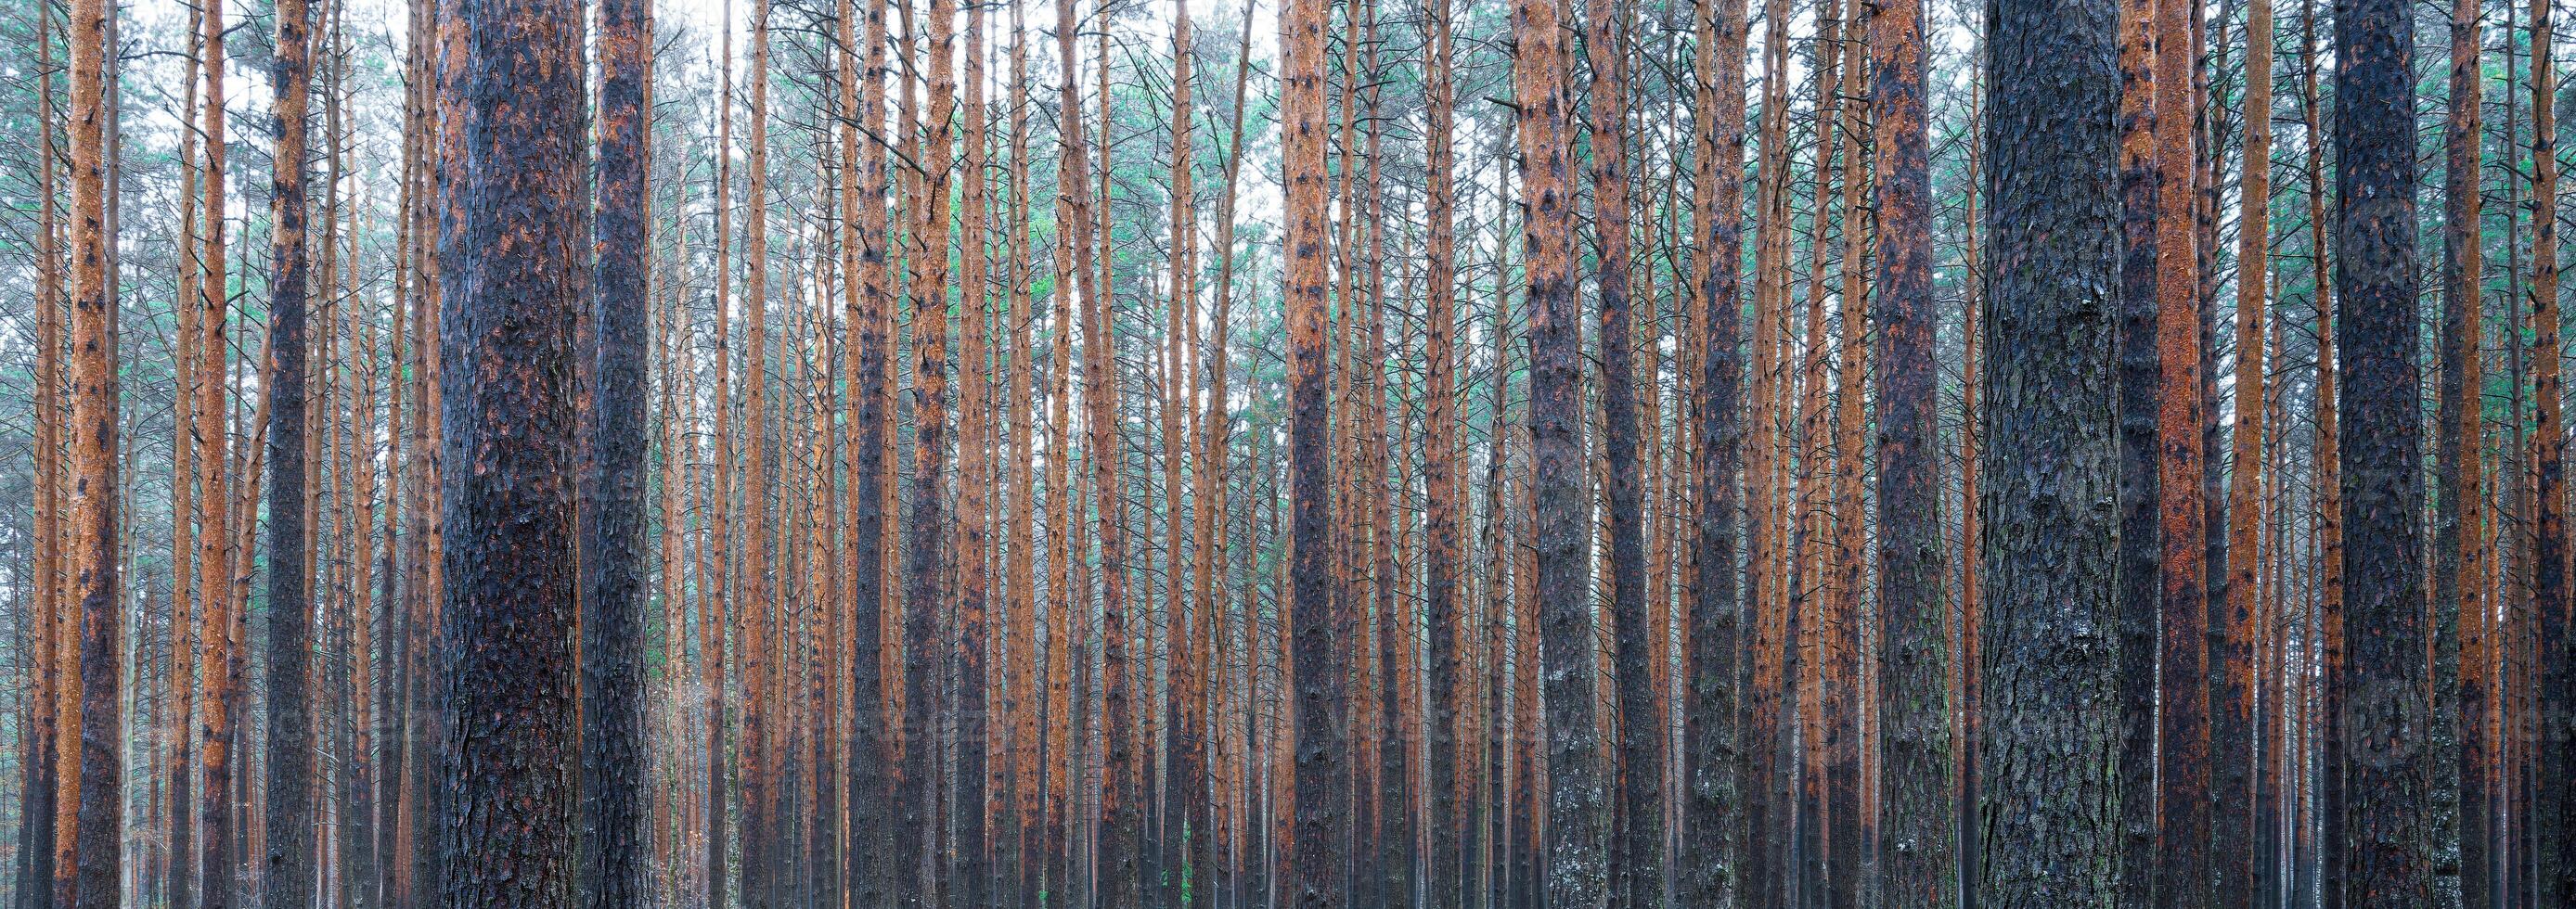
{"points": [[1577, 872], [288, 878], [2385, 719], [508, 345], [2236, 732], [1322, 773], [1451, 865], [2459, 698], [96, 524], [2140, 373], [758, 633], [867, 299], [1915, 842], [975, 486], [2553, 824], [917, 789], [1712, 760], [222, 657], [49, 875], [613, 521], [2050, 753], [2182, 807], [1636, 856]]}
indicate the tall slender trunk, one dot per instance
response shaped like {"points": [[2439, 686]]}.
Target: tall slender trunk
{"points": [[2327, 764], [1028, 740], [2385, 717], [177, 869], [2051, 839], [1450, 858], [95, 510], [511, 661], [2554, 813], [1186, 812], [613, 788], [1577, 816], [288, 876], [757, 615], [50, 870], [1713, 760], [2458, 527], [1323, 772], [221, 657], [2236, 731], [975, 483], [1913, 651], [2140, 374], [867, 302], [2182, 691], [721, 482], [1636, 850]]}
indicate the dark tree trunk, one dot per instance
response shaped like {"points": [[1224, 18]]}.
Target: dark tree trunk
{"points": [[2182, 809], [2385, 718], [1712, 759], [1323, 777], [867, 298], [2050, 752], [2139, 375], [613, 791], [508, 424], [1914, 674], [1451, 825], [2553, 813], [1577, 872], [916, 785], [1636, 858], [288, 878], [2459, 554]]}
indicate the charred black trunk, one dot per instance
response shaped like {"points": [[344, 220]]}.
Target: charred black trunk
{"points": [[508, 351], [2050, 753]]}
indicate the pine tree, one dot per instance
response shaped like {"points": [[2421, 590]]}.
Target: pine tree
{"points": [[1713, 764], [96, 514], [2554, 815], [613, 792], [1323, 776], [510, 661], [1913, 697], [1577, 817], [2384, 717], [2051, 839], [288, 878]]}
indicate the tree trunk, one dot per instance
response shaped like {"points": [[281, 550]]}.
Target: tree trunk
{"points": [[2182, 690], [867, 300], [95, 509], [2051, 837], [1449, 858], [2554, 813], [221, 658], [1577, 875], [288, 878], [2140, 375], [1914, 705], [1636, 856], [1712, 759], [613, 789], [2385, 718], [1322, 773], [510, 654], [2242, 675], [974, 489]]}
